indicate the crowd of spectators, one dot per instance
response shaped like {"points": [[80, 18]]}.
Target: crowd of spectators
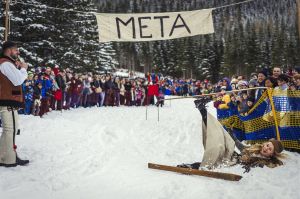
{"points": [[244, 100], [49, 89]]}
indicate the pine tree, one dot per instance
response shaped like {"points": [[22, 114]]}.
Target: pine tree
{"points": [[251, 50], [277, 46], [51, 36], [249, 35]]}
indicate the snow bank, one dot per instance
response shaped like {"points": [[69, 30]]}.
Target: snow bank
{"points": [[97, 153]]}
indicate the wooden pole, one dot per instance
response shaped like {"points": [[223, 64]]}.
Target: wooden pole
{"points": [[188, 171], [211, 94], [158, 113], [6, 20], [298, 11], [270, 94], [146, 110]]}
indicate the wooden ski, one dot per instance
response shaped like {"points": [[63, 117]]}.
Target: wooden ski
{"points": [[211, 174]]}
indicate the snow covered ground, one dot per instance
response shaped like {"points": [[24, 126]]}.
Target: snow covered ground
{"points": [[102, 153]]}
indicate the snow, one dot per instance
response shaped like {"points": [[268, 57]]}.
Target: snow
{"points": [[38, 26], [125, 73], [69, 53], [17, 19], [139, 74], [51, 61], [121, 74], [103, 152]]}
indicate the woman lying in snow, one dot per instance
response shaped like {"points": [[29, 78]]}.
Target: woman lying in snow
{"points": [[221, 147]]}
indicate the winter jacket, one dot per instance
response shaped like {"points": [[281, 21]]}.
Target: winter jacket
{"points": [[127, 86], [60, 82], [108, 85], [225, 101], [46, 87], [36, 92]]}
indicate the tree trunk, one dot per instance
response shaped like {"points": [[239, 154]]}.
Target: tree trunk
{"points": [[298, 11]]}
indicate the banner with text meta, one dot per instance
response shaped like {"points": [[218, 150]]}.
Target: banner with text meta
{"points": [[153, 26]]}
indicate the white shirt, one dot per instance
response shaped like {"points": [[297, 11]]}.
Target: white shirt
{"points": [[16, 76]]}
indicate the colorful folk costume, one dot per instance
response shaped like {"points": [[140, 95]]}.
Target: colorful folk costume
{"points": [[11, 98]]}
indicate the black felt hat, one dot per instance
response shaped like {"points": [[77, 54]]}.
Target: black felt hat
{"points": [[8, 44]]}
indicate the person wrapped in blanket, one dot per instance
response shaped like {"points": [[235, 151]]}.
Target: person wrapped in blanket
{"points": [[223, 148]]}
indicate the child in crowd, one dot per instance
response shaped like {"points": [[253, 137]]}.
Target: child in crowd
{"points": [[28, 96], [218, 100], [225, 98], [250, 103], [37, 90], [160, 98], [292, 86], [139, 96], [242, 103]]}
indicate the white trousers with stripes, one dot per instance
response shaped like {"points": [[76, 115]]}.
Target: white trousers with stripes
{"points": [[9, 120]]}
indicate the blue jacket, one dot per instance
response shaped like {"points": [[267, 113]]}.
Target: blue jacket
{"points": [[46, 87]]}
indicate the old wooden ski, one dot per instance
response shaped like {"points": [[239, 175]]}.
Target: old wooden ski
{"points": [[211, 174]]}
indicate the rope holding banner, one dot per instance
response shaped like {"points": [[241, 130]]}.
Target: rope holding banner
{"points": [[53, 8], [270, 94], [233, 4], [89, 12]]}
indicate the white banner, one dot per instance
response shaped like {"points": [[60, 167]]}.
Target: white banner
{"points": [[154, 26]]}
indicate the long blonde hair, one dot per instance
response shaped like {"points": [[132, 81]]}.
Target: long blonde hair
{"points": [[256, 148], [253, 149]]}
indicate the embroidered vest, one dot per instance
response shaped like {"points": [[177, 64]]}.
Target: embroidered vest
{"points": [[10, 95]]}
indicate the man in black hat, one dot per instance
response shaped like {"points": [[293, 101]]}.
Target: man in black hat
{"points": [[12, 75]]}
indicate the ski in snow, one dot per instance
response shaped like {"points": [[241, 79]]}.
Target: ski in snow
{"points": [[211, 174]]}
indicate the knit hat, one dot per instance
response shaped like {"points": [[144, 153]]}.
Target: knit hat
{"points": [[264, 73], [242, 83], [253, 75], [223, 87], [278, 147], [43, 69], [30, 73], [253, 82]]}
